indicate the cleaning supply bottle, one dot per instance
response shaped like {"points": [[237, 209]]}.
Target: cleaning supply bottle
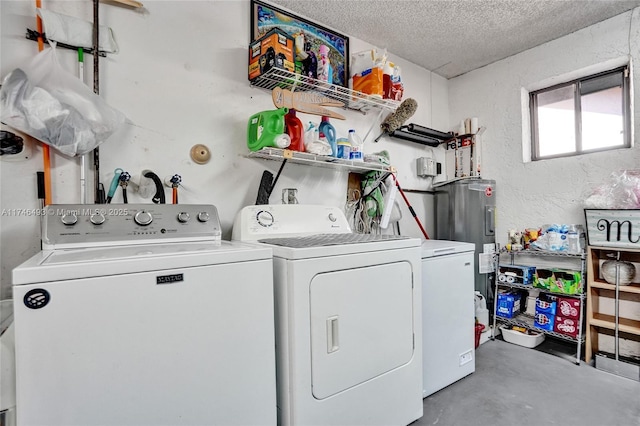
{"points": [[356, 146], [387, 74], [310, 135], [266, 129], [330, 133], [344, 148], [294, 130]]}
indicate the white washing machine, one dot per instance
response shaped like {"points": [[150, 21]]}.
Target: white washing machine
{"points": [[140, 315], [448, 313], [348, 319]]}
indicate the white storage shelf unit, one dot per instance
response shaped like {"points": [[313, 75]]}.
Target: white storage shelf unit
{"points": [[547, 259]]}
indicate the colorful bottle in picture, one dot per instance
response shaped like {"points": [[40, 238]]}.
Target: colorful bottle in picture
{"points": [[325, 70], [330, 133], [294, 130]]}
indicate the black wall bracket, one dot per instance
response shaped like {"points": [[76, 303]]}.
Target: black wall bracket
{"points": [[33, 35], [422, 135]]}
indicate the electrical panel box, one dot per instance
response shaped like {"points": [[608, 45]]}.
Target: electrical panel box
{"points": [[425, 167]]}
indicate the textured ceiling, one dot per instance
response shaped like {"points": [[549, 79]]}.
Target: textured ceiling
{"points": [[452, 37]]}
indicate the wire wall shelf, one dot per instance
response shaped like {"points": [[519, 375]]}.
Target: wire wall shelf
{"points": [[351, 99], [319, 160]]}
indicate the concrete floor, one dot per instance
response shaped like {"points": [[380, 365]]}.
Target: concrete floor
{"points": [[514, 385]]}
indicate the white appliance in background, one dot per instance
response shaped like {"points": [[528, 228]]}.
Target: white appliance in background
{"points": [[466, 211], [448, 313], [140, 315], [7, 365], [348, 324]]}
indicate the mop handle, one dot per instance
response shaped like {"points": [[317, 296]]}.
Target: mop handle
{"points": [[46, 156], [413, 213]]}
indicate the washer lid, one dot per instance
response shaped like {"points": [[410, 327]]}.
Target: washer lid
{"points": [[432, 248], [68, 264]]}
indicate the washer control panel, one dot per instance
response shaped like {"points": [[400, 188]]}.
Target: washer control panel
{"points": [[86, 225]]}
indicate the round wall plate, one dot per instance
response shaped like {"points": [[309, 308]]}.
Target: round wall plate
{"points": [[200, 154]]}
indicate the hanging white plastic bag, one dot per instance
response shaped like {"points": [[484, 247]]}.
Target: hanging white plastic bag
{"points": [[52, 105]]}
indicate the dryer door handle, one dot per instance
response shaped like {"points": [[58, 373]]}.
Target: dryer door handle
{"points": [[333, 342]]}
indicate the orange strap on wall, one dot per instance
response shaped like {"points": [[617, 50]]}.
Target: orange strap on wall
{"points": [[45, 148]]}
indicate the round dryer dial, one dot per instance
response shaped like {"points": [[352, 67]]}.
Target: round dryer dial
{"points": [[264, 218]]}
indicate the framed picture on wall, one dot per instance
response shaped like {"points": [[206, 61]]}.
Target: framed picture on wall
{"points": [[319, 52]]}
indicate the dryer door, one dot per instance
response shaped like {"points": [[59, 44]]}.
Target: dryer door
{"points": [[361, 325]]}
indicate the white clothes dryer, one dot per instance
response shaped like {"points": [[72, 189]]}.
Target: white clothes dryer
{"points": [[348, 318], [140, 315]]}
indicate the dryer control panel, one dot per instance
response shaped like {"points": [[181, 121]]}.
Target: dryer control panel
{"points": [[90, 225], [288, 220]]}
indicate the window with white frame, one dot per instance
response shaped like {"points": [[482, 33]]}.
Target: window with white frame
{"points": [[585, 115]]}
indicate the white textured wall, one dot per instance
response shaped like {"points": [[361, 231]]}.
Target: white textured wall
{"points": [[181, 79], [530, 194]]}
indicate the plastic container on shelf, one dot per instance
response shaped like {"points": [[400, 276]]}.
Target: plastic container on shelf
{"points": [[329, 133], [392, 82], [344, 148], [266, 129], [520, 338], [387, 72], [311, 134], [356, 146], [294, 130]]}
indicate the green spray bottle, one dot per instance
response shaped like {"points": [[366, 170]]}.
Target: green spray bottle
{"points": [[266, 129]]}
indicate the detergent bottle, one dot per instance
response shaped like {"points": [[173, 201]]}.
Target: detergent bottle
{"points": [[356, 153], [266, 129], [330, 133], [294, 130], [387, 74]]}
